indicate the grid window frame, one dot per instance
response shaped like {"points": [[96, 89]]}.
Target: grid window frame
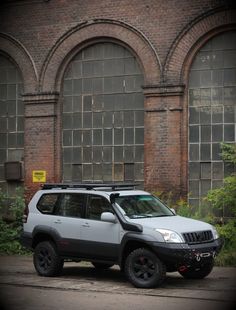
{"points": [[212, 113], [111, 102]]}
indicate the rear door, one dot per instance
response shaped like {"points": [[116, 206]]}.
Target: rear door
{"points": [[67, 220]]}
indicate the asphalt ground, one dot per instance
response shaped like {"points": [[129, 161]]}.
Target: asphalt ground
{"points": [[81, 286]]}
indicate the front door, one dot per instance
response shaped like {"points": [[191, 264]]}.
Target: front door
{"points": [[101, 239]]}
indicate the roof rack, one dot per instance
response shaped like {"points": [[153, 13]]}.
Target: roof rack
{"points": [[91, 186]]}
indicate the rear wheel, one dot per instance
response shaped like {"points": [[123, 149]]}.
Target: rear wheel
{"points": [[144, 269], [101, 266], [199, 272], [46, 260]]}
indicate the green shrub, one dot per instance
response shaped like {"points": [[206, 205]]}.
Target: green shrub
{"points": [[224, 197], [227, 256], [11, 210]]}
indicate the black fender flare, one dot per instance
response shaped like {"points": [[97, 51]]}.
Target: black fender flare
{"points": [[46, 230], [134, 237]]}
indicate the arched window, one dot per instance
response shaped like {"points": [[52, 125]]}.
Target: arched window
{"points": [[11, 119], [103, 117], [212, 113]]}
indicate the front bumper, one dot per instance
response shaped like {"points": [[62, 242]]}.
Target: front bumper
{"points": [[180, 254]]}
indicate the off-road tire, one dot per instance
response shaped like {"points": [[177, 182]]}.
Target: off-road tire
{"points": [[199, 272], [144, 269], [101, 266], [46, 260]]}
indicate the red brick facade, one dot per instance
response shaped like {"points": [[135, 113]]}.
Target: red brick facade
{"points": [[41, 37]]}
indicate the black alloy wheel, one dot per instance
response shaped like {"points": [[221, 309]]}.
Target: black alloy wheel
{"points": [[46, 260], [144, 269]]}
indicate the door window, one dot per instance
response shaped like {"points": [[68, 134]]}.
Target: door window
{"points": [[47, 203], [72, 205], [96, 206]]}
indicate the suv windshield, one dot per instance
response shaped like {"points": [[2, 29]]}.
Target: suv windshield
{"points": [[140, 206]]}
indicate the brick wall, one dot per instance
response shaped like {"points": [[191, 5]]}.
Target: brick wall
{"points": [[42, 36]]}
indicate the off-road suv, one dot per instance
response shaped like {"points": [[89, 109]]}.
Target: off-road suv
{"points": [[116, 224]]}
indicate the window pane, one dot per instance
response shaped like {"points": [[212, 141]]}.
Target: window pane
{"points": [[129, 154], [118, 172], [194, 189], [205, 186], [118, 136], [194, 170], [193, 151], [97, 154], [206, 133], [107, 154], [217, 172], [139, 136], [205, 152], [77, 173], [129, 136], [107, 139], [217, 133], [129, 172], [194, 134], [229, 132], [97, 172], [194, 116], [97, 136], [205, 170], [87, 172], [118, 154], [107, 172], [87, 154]]}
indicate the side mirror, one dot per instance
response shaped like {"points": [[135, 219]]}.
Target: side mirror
{"points": [[108, 217], [173, 210]]}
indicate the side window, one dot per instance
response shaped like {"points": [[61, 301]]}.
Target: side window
{"points": [[96, 206], [47, 203], [72, 205]]}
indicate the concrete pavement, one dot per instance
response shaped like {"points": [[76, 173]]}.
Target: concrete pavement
{"points": [[217, 290]]}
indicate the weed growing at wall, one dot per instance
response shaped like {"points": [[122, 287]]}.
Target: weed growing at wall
{"points": [[11, 211]]}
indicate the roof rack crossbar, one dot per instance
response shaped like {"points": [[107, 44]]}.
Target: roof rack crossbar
{"points": [[90, 186]]}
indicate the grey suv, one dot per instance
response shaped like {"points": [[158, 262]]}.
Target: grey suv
{"points": [[109, 224]]}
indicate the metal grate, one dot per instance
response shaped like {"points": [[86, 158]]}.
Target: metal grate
{"points": [[198, 237]]}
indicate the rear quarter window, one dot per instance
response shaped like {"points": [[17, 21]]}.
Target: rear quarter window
{"points": [[47, 203]]}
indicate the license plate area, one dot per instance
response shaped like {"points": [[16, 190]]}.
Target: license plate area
{"points": [[204, 255]]}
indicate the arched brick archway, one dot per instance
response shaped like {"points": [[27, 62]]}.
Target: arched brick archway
{"points": [[102, 30], [19, 55], [190, 40], [178, 64]]}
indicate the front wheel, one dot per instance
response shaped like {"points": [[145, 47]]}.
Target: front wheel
{"points": [[144, 269], [46, 260], [199, 272]]}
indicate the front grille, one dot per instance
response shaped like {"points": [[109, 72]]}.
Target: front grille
{"points": [[198, 237]]}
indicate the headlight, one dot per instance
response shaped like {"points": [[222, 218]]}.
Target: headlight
{"points": [[215, 233], [170, 236]]}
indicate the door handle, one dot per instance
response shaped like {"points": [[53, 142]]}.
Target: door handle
{"points": [[86, 225], [57, 222]]}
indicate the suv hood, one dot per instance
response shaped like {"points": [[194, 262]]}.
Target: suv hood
{"points": [[176, 223]]}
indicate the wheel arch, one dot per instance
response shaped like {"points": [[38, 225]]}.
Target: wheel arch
{"points": [[132, 242], [43, 233]]}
